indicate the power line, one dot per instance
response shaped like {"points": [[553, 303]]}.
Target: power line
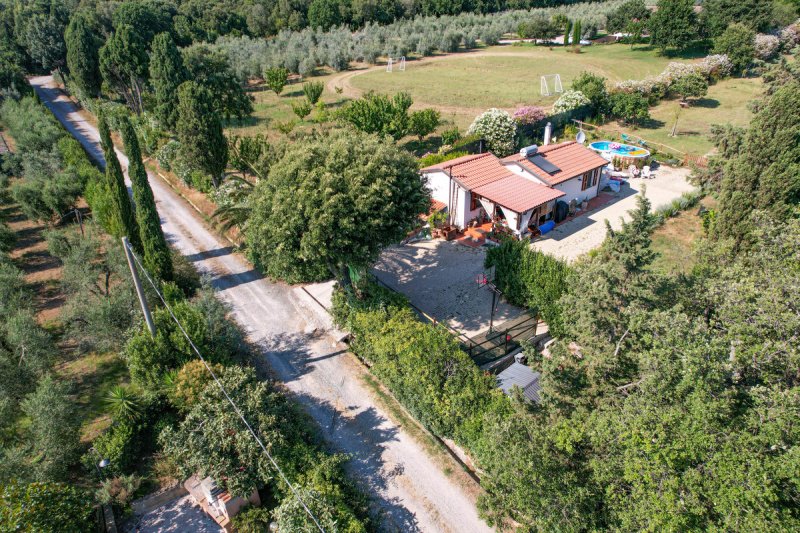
{"points": [[222, 388]]}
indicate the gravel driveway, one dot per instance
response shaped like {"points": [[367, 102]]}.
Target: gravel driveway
{"points": [[409, 490], [574, 238]]}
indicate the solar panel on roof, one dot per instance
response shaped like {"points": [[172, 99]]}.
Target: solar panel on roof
{"points": [[544, 164]]}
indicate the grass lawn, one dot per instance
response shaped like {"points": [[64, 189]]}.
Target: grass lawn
{"points": [[726, 102], [505, 76], [675, 240], [270, 109]]}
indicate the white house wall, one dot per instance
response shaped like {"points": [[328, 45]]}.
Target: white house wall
{"points": [[439, 185], [572, 190]]}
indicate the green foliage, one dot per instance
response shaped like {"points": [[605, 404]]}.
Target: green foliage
{"points": [[691, 85], [433, 159], [333, 201], [101, 304], [764, 174], [673, 25], [717, 15], [630, 107], [737, 42], [421, 364], [531, 279], [450, 136], [83, 59], [313, 90], [576, 33], [537, 28], [199, 130], [123, 403], [189, 382], [620, 18], [252, 520], [276, 79], [124, 64], [157, 255], [118, 491], [54, 429], [593, 87], [379, 113], [203, 319], [44, 41], [209, 68], [167, 72], [302, 109], [424, 122], [44, 507], [324, 14], [120, 444], [122, 214]]}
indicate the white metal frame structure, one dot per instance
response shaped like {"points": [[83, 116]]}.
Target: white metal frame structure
{"points": [[545, 84], [402, 65], [389, 65]]}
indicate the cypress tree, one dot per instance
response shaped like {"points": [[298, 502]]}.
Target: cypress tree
{"points": [[83, 59], [167, 72], [576, 33], [157, 257], [115, 181], [199, 130]]}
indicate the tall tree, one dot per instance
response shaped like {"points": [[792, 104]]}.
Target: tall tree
{"points": [[157, 257], [124, 65], [620, 18], [210, 69], [83, 53], [199, 130], [44, 38], [166, 74], [115, 182], [717, 15], [674, 25], [333, 202], [737, 42]]}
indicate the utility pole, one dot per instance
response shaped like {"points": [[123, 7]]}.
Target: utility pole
{"points": [[138, 284]]}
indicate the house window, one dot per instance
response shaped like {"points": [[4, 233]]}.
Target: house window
{"points": [[595, 174], [474, 202], [587, 180]]}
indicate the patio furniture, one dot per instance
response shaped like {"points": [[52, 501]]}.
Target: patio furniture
{"points": [[625, 137], [449, 232], [633, 171], [646, 173]]}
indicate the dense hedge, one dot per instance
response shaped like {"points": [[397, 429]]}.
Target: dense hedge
{"points": [[532, 279], [422, 364]]}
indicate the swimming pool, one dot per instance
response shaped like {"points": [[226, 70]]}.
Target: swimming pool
{"points": [[610, 148]]}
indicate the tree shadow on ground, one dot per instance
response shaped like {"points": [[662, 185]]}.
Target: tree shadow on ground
{"points": [[706, 103]]}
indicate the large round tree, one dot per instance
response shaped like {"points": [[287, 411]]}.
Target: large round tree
{"points": [[333, 201]]}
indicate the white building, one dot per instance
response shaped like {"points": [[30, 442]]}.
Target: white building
{"points": [[521, 189]]}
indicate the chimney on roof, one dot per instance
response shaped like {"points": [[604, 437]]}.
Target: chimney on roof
{"points": [[548, 132]]}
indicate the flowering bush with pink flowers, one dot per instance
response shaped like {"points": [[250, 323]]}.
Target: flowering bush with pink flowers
{"points": [[529, 114], [767, 46], [790, 36]]}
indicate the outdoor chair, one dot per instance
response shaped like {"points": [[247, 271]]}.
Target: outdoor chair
{"points": [[646, 173], [633, 171]]}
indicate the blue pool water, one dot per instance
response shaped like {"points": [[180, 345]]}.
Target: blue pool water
{"points": [[622, 150]]}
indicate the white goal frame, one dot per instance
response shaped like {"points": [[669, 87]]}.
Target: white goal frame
{"points": [[555, 79], [401, 64]]}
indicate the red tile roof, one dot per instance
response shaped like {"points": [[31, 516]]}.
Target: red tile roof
{"points": [[517, 193], [472, 171], [571, 157]]}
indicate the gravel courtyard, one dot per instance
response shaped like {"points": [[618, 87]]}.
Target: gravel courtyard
{"points": [[179, 516], [440, 277], [574, 238]]}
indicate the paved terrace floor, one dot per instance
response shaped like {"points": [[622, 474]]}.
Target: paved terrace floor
{"points": [[439, 277], [583, 233]]}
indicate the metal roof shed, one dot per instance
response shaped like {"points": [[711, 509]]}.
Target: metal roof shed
{"points": [[521, 376]]}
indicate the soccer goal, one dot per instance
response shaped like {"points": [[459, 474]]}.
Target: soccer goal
{"points": [[400, 62], [551, 84]]}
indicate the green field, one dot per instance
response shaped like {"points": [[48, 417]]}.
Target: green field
{"points": [[726, 102], [505, 76]]}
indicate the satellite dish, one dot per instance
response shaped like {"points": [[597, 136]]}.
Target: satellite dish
{"points": [[581, 137]]}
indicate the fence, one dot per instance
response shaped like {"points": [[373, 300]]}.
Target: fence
{"points": [[494, 345], [680, 155]]}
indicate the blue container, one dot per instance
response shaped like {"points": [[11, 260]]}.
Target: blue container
{"points": [[547, 226]]}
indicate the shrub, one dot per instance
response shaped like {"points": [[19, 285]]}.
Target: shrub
{"points": [[766, 46], [189, 382], [313, 91], [44, 507], [252, 520], [276, 79], [530, 278], [497, 128], [120, 444], [529, 115], [119, 490], [450, 136], [738, 43], [424, 122], [433, 159], [570, 100], [302, 109], [167, 154]]}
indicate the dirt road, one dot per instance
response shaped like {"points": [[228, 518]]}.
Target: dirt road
{"points": [[411, 492]]}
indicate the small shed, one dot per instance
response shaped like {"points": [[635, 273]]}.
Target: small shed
{"points": [[520, 376]]}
